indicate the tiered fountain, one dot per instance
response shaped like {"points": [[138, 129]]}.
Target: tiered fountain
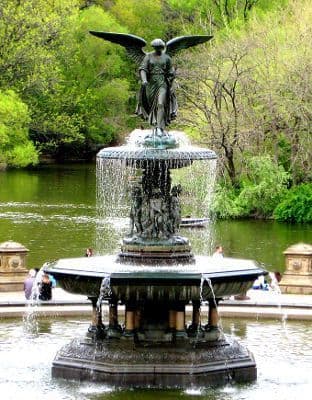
{"points": [[154, 280]]}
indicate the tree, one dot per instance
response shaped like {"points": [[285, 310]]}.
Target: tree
{"points": [[218, 107], [88, 105], [296, 205], [143, 18], [73, 84], [16, 150], [251, 93]]}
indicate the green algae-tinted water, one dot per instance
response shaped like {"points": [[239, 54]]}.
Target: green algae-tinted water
{"points": [[282, 350], [52, 211]]}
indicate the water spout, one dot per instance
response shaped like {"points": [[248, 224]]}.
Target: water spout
{"points": [[105, 292]]}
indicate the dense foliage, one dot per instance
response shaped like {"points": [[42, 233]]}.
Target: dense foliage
{"points": [[246, 94], [296, 205], [16, 148]]}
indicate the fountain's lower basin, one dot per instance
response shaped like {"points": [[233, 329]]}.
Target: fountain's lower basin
{"points": [[155, 347], [182, 365]]}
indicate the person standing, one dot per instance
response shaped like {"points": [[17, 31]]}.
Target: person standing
{"points": [[28, 283]]}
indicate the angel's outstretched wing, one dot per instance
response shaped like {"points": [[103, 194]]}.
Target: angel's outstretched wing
{"points": [[133, 44], [183, 42]]}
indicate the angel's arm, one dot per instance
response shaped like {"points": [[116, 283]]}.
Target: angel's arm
{"points": [[143, 69]]}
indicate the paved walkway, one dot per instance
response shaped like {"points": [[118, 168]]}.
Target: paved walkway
{"points": [[261, 304]]}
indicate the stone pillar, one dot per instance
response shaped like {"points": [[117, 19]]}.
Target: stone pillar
{"points": [[172, 320], [180, 322], [129, 321], [213, 316], [297, 278], [13, 269]]}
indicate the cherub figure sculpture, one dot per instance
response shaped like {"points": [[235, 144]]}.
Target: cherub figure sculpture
{"points": [[156, 100]]}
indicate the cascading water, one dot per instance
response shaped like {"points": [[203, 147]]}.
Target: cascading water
{"points": [[116, 179], [155, 275]]}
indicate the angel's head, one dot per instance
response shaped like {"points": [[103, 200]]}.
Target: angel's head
{"points": [[158, 45]]}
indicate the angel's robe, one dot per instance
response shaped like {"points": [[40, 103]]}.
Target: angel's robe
{"points": [[157, 101]]}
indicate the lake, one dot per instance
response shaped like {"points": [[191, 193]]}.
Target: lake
{"points": [[52, 211]]}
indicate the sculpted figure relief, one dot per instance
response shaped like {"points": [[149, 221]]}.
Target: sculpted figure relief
{"points": [[175, 208], [156, 100], [136, 211]]}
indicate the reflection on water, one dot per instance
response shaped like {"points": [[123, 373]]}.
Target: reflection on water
{"points": [[283, 354], [52, 211]]}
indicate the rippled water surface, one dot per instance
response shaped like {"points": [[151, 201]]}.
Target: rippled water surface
{"points": [[52, 211], [283, 352]]}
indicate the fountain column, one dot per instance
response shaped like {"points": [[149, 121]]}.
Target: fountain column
{"points": [[180, 322], [129, 320], [114, 329], [96, 327], [213, 316], [192, 329], [212, 329], [172, 320]]}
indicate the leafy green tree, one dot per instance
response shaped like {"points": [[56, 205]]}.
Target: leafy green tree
{"points": [[88, 106], [76, 86], [16, 150], [296, 206], [262, 188], [206, 16], [249, 94], [143, 18], [31, 37]]}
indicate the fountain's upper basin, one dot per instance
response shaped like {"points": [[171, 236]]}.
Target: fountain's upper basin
{"points": [[228, 276], [135, 153]]}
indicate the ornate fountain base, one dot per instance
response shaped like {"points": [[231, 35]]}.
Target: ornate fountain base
{"points": [[156, 346], [172, 250], [129, 364]]}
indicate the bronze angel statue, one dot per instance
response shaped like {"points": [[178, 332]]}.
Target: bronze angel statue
{"points": [[157, 102]]}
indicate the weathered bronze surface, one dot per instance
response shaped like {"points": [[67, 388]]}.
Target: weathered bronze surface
{"points": [[157, 101], [155, 276]]}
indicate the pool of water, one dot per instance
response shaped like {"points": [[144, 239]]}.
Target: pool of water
{"points": [[283, 352], [52, 211]]}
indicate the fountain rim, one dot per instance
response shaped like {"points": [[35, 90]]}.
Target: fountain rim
{"points": [[144, 273], [142, 154]]}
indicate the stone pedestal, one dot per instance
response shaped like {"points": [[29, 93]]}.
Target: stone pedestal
{"points": [[297, 278], [12, 266]]}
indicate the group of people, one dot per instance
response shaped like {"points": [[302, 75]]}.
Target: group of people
{"points": [[38, 285], [260, 283]]}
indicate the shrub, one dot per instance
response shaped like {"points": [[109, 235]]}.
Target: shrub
{"points": [[296, 205]]}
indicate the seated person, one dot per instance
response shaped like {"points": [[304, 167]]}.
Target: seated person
{"points": [[260, 283]]}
